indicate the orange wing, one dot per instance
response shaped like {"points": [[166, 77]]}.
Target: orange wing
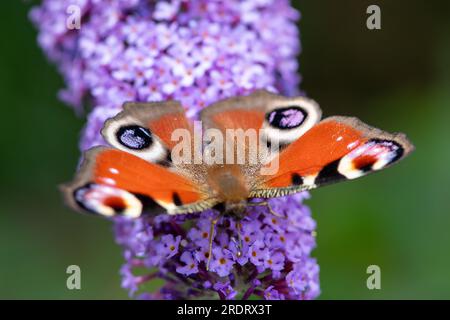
{"points": [[112, 182], [336, 149]]}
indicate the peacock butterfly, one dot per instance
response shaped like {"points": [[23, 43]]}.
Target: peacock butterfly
{"points": [[138, 172]]}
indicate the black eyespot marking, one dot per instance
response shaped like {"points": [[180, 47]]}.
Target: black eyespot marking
{"points": [[78, 195], [329, 173], [116, 203], [393, 147], [287, 117], [374, 151], [134, 137], [176, 199], [297, 180]]}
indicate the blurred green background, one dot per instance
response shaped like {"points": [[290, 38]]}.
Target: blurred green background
{"points": [[397, 78]]}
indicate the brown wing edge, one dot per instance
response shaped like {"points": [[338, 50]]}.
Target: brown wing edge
{"points": [[259, 99], [140, 111]]}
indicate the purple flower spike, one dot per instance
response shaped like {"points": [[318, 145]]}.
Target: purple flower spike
{"points": [[196, 52]]}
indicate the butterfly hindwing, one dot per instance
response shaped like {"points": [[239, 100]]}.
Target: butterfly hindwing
{"points": [[336, 149]]}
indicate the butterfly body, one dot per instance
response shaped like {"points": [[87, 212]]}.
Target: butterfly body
{"points": [[141, 169], [228, 183]]}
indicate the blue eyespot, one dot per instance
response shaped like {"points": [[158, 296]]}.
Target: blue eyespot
{"points": [[287, 117], [134, 137]]}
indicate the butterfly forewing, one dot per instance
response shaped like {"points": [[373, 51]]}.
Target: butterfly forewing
{"points": [[113, 182], [336, 149]]}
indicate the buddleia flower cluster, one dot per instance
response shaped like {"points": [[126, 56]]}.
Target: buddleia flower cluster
{"points": [[196, 52]]}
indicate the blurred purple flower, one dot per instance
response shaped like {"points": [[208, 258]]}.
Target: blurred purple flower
{"points": [[196, 52]]}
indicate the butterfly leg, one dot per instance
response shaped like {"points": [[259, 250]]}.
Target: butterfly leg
{"points": [[239, 231], [266, 204], [211, 234]]}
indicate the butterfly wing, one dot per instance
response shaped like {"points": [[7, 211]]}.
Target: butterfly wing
{"points": [[140, 172], [146, 129], [336, 149], [112, 182]]}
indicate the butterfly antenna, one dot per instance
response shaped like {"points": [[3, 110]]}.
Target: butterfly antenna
{"points": [[211, 234]]}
